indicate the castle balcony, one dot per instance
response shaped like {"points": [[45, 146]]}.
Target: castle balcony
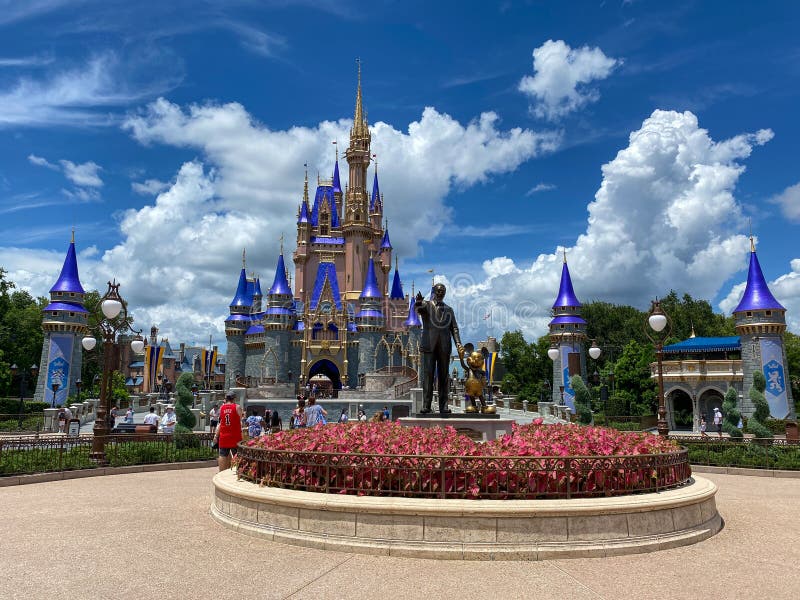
{"points": [[692, 371]]}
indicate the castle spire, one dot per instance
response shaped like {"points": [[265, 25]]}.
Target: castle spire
{"points": [[566, 295], [359, 121], [371, 289], [756, 293], [69, 280], [280, 285], [337, 185], [397, 286], [244, 261]]}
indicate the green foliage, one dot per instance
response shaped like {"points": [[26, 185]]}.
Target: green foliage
{"points": [[526, 366], [737, 454], [583, 400], [731, 413], [632, 373], [119, 391], [183, 403], [756, 424], [791, 343], [686, 311], [21, 335], [10, 406]]}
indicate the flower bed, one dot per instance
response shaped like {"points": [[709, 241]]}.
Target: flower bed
{"points": [[386, 459]]}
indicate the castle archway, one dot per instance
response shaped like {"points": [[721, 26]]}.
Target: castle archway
{"points": [[328, 369], [681, 410]]}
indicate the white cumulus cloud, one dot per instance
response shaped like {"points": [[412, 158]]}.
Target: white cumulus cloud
{"points": [[149, 187], [789, 201], [664, 217], [561, 78]]}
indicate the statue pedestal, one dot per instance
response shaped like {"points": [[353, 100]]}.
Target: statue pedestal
{"points": [[479, 427]]}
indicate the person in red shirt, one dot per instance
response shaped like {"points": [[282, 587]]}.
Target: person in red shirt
{"points": [[229, 430]]}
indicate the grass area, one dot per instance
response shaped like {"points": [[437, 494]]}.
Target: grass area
{"points": [[753, 454]]}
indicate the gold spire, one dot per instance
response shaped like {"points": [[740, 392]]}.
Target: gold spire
{"points": [[359, 119], [375, 160], [73, 236], [244, 253], [565, 254], [305, 185], [395, 262], [336, 146], [752, 244], [693, 334], [281, 243]]}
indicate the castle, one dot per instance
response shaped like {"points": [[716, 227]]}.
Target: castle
{"points": [[347, 315]]}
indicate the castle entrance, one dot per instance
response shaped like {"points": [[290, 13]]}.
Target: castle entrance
{"points": [[325, 372]]}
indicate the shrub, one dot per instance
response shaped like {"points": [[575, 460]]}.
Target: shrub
{"points": [[756, 424], [732, 415], [583, 400], [183, 403]]}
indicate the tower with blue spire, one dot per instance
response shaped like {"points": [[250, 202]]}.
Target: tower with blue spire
{"points": [[235, 327], [65, 323], [761, 322], [369, 319], [568, 335]]}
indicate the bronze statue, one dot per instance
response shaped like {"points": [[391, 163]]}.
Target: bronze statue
{"points": [[438, 325], [475, 380]]}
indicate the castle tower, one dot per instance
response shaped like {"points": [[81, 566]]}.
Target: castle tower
{"points": [[760, 323], [413, 326], [369, 319], [64, 323], [302, 253], [357, 230], [235, 327], [396, 303], [568, 334], [337, 185]]}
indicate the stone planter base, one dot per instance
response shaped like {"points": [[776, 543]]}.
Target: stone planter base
{"points": [[470, 529]]}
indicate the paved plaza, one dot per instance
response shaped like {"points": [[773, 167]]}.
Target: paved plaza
{"points": [[149, 535]]}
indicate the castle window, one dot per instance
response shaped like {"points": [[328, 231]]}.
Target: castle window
{"points": [[768, 313], [55, 314], [561, 326], [749, 314], [72, 314]]}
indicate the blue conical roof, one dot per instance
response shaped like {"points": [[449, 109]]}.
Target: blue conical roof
{"points": [[371, 289], [397, 287], [385, 243], [756, 294], [69, 281], [280, 285], [566, 295], [304, 217], [413, 317], [242, 298], [337, 186], [375, 201], [257, 288]]}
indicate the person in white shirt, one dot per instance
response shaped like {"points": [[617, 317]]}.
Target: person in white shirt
{"points": [[169, 420], [151, 418], [718, 420]]}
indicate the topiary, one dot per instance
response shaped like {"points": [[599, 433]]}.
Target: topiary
{"points": [[732, 415], [756, 424], [183, 403], [583, 400]]}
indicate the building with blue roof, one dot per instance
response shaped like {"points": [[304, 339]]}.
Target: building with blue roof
{"points": [[344, 314], [65, 323]]}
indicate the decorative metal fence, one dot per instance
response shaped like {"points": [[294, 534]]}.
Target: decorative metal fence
{"points": [[478, 477], [755, 453], [25, 455]]}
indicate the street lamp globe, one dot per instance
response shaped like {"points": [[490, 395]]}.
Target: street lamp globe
{"points": [[595, 351], [88, 342], [137, 345], [552, 353], [657, 318], [111, 308]]}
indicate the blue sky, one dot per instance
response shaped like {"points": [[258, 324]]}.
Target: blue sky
{"points": [[643, 137]]}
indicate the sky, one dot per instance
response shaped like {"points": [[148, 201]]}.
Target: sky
{"points": [[647, 140]]}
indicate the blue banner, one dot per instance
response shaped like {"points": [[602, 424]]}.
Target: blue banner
{"points": [[569, 393], [58, 363], [774, 373]]}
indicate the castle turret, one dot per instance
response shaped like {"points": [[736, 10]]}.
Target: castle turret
{"points": [[337, 185], [370, 319], [64, 324], [761, 323], [567, 334], [302, 252], [235, 327]]}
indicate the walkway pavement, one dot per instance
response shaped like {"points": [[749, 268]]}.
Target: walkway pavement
{"points": [[149, 535]]}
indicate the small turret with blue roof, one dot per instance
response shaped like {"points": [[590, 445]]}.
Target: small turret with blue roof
{"points": [[369, 315], [64, 322], [280, 302], [568, 334], [761, 323]]}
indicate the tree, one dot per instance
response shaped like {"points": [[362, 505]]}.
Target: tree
{"points": [[756, 424], [632, 376], [119, 391], [791, 343], [583, 400], [526, 365], [21, 335], [183, 404], [732, 414]]}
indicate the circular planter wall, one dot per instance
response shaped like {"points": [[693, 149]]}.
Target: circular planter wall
{"points": [[470, 529]]}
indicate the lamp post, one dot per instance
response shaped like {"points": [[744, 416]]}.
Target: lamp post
{"points": [[561, 389], [22, 380], [116, 320], [657, 321], [55, 386], [194, 394]]}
